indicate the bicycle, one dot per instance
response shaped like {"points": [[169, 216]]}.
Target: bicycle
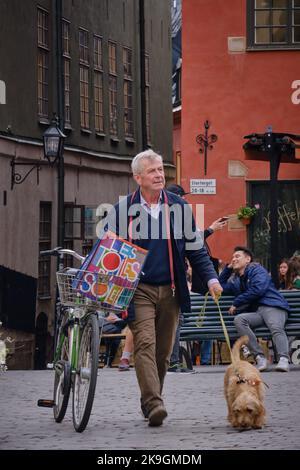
{"points": [[76, 347]]}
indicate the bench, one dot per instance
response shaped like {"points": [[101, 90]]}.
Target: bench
{"points": [[105, 355], [211, 327]]}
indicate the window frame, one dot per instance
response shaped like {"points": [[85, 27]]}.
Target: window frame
{"points": [[43, 60], [98, 86], [128, 92], [84, 79], [113, 90], [79, 223], [44, 263], [252, 46], [66, 40], [84, 97]]}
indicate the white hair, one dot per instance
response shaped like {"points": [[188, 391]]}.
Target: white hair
{"points": [[137, 163]]}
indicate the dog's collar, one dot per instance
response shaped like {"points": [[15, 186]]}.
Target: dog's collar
{"points": [[243, 380], [253, 383]]}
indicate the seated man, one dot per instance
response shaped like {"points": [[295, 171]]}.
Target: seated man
{"points": [[111, 324], [256, 294]]}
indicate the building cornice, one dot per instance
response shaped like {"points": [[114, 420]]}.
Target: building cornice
{"points": [[69, 152]]}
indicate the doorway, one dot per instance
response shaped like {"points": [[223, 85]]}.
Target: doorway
{"points": [[288, 220], [41, 330]]}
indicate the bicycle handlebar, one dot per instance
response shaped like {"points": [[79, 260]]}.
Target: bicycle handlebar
{"points": [[61, 251]]}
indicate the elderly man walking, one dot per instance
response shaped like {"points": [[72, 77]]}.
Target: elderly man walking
{"points": [[162, 223]]}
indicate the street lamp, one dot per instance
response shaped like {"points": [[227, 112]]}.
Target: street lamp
{"points": [[53, 139]]}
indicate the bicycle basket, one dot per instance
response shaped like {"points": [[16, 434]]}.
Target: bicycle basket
{"points": [[90, 289]]}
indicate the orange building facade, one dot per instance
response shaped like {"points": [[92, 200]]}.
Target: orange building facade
{"points": [[240, 88]]}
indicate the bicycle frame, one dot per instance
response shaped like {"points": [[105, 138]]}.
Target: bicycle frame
{"points": [[73, 339]]}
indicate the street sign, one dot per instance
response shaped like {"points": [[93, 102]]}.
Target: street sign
{"points": [[203, 186]]}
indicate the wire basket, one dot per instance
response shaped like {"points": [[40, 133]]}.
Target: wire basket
{"points": [[85, 289]]}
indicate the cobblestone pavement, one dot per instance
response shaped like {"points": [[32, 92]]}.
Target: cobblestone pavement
{"points": [[195, 403]]}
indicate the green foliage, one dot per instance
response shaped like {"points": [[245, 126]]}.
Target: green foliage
{"points": [[246, 212]]}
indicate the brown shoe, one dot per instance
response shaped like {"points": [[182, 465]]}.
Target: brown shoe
{"points": [[157, 415]]}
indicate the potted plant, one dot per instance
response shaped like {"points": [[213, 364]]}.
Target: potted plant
{"points": [[245, 213]]}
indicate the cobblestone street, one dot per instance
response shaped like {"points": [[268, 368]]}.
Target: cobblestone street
{"points": [[195, 404]]}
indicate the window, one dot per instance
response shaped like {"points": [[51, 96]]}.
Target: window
{"points": [[87, 246], [43, 63], [67, 68], [45, 244], [128, 91], [98, 84], [84, 47], [68, 259], [84, 79], [112, 53], [176, 87], [147, 97], [98, 57], [274, 24], [74, 222], [84, 98], [98, 100], [90, 223]]}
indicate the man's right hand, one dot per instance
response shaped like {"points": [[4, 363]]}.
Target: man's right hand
{"points": [[215, 290]]}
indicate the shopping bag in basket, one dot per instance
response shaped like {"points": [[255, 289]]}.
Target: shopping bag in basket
{"points": [[122, 261]]}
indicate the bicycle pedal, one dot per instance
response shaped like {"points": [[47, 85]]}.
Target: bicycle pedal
{"points": [[50, 365], [46, 403]]}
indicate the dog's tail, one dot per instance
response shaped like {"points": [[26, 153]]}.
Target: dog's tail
{"points": [[237, 346]]}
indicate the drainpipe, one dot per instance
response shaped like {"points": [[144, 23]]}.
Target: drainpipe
{"points": [[60, 113], [142, 73]]}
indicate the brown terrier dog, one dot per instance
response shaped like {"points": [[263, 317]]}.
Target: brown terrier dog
{"points": [[244, 391]]}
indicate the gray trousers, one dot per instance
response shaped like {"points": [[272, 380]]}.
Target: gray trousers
{"points": [[272, 317]]}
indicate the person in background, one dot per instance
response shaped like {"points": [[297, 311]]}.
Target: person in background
{"points": [[111, 324], [263, 304], [205, 348], [293, 273], [282, 273]]}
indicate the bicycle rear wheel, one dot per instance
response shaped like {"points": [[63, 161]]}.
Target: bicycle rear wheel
{"points": [[86, 375], [62, 381]]}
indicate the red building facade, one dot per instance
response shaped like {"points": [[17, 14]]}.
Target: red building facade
{"points": [[241, 72]]}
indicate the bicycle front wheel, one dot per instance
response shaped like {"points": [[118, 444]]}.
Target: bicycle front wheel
{"points": [[86, 374]]}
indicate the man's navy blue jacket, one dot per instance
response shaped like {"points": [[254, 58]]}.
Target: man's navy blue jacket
{"points": [[253, 289], [197, 257]]}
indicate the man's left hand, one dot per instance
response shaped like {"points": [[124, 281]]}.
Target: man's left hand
{"points": [[215, 290]]}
